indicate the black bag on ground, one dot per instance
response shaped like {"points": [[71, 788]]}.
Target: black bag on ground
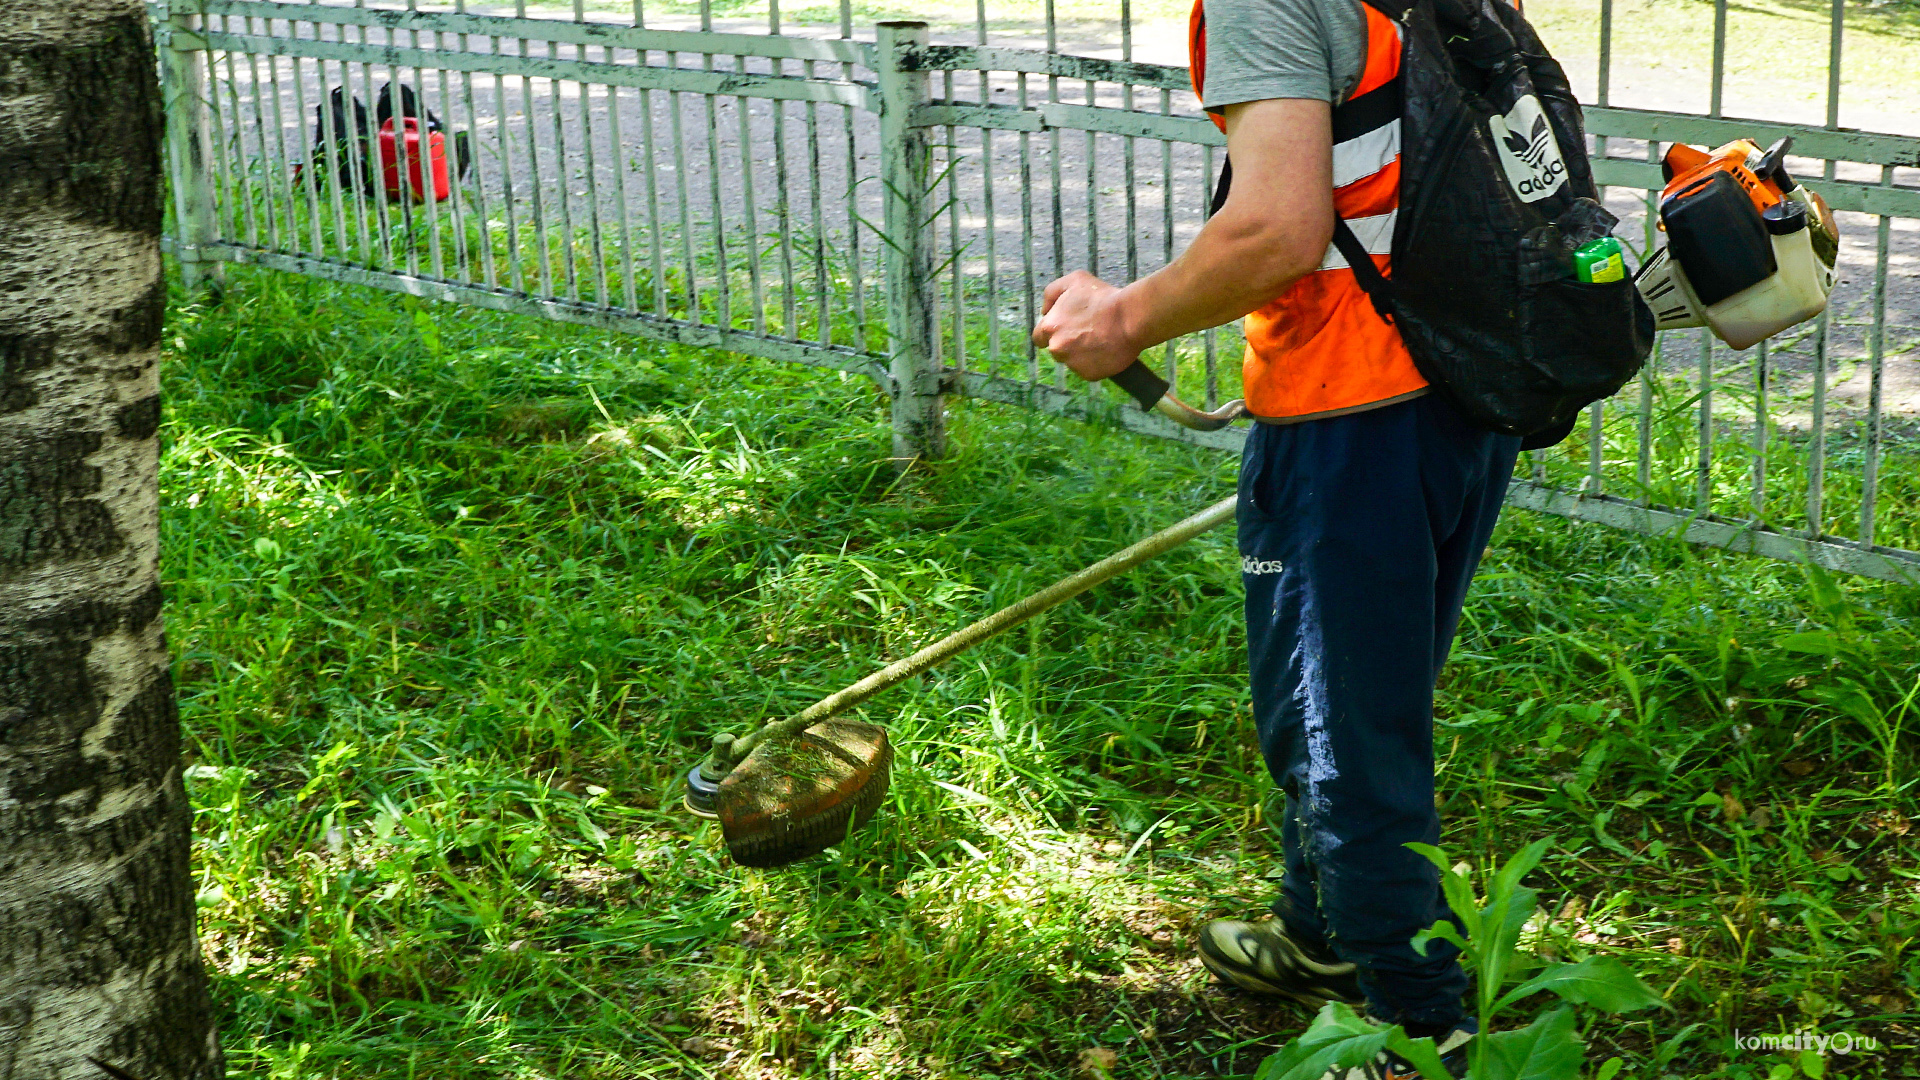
{"points": [[1495, 193], [340, 142]]}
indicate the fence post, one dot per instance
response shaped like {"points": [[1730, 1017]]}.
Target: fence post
{"points": [[183, 86], [919, 409]]}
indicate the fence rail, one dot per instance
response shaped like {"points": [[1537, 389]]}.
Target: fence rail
{"points": [[892, 207]]}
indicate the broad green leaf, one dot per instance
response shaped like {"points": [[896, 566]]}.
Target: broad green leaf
{"points": [[1445, 931], [1819, 642], [1337, 1038], [1420, 1052], [1519, 866], [1497, 952], [1610, 1069], [1601, 981], [1813, 1064], [1433, 855], [1826, 593], [1547, 1049]]}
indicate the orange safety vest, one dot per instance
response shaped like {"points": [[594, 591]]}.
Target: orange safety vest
{"points": [[1319, 348]]}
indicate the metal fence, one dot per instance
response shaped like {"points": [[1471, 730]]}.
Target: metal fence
{"points": [[893, 206]]}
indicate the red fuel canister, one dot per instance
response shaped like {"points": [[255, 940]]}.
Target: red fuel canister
{"points": [[433, 157]]}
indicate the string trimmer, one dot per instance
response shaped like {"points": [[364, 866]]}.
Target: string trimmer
{"points": [[796, 786]]}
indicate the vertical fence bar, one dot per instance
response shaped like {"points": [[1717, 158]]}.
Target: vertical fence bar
{"points": [[1211, 337], [1817, 463], [375, 181], [1059, 267], [749, 209], [360, 178], [404, 213], [1026, 236], [1643, 465], [991, 216], [226, 205], [1761, 375], [279, 160], [571, 265], [783, 213], [435, 258], [986, 198], [516, 276], [1171, 361], [723, 285], [1606, 52], [595, 244], [1718, 90], [189, 142], [676, 110], [242, 177], [483, 218], [822, 294], [330, 141], [1130, 183], [536, 207], [616, 151], [456, 198], [1703, 478], [1876, 357], [1604, 77], [1836, 32], [958, 358], [653, 184], [310, 172], [1596, 449], [855, 273], [918, 409], [1093, 191]]}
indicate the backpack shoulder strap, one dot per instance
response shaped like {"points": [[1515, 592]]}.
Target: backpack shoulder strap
{"points": [[1365, 273]]}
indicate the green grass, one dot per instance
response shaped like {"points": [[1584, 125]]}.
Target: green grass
{"points": [[455, 597]]}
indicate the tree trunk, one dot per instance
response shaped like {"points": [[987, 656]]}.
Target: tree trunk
{"points": [[98, 957]]}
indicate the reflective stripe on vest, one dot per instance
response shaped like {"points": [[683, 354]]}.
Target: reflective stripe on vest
{"points": [[1319, 347]]}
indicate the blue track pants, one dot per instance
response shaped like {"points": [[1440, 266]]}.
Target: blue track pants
{"points": [[1358, 537]]}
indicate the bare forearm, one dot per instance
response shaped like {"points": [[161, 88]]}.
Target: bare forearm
{"points": [[1233, 266], [1273, 229]]}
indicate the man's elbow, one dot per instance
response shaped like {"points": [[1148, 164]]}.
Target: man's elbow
{"points": [[1281, 252]]}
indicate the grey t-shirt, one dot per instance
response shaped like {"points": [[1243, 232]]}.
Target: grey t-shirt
{"points": [[1260, 49]]}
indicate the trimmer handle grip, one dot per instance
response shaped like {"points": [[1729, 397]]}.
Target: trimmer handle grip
{"points": [[1139, 381]]}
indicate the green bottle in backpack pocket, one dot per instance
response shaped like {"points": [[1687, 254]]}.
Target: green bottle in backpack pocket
{"points": [[1598, 261]]}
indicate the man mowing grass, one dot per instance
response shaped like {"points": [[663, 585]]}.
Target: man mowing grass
{"points": [[1365, 502]]}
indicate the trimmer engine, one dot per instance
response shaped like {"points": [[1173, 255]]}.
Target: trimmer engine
{"points": [[1750, 250]]}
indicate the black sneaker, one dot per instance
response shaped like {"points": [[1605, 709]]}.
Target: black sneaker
{"points": [[1387, 1065], [1259, 956]]}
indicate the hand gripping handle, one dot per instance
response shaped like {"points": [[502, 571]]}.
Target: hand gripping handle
{"points": [[1139, 381], [1151, 391]]}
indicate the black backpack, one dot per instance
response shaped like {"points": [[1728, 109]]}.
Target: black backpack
{"points": [[1495, 193]]}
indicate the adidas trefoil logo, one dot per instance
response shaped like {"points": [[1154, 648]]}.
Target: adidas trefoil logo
{"points": [[1528, 151]]}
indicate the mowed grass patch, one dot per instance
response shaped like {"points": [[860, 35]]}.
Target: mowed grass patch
{"points": [[456, 598]]}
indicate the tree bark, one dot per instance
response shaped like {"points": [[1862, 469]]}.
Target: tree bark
{"points": [[98, 956]]}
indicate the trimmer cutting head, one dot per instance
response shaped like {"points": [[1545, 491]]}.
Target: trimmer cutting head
{"points": [[792, 798]]}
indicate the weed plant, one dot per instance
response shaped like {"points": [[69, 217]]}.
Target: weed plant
{"points": [[456, 597]]}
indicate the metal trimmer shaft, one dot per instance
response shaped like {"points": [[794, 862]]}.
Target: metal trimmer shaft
{"points": [[751, 784]]}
